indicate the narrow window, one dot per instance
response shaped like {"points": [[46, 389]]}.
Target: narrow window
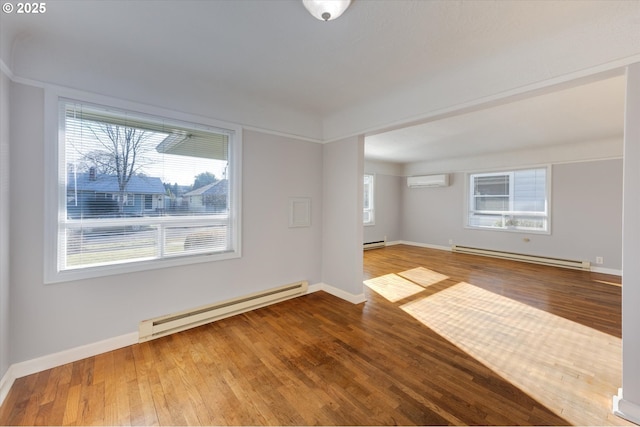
{"points": [[368, 205]]}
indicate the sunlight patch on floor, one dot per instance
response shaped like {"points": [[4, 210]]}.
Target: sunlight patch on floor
{"points": [[604, 282], [393, 287], [423, 276], [554, 360]]}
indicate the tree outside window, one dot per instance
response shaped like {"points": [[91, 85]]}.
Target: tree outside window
{"points": [[140, 188]]}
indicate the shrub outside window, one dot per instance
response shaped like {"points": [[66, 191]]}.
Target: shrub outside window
{"points": [[515, 200]]}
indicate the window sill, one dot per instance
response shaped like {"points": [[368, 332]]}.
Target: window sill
{"points": [[509, 230], [152, 264]]}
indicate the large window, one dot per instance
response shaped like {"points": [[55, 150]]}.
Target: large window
{"points": [[140, 190], [368, 207], [511, 200]]}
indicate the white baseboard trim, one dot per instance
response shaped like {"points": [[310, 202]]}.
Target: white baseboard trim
{"points": [[28, 367], [5, 383], [623, 408], [602, 270], [74, 354], [352, 298], [424, 245]]}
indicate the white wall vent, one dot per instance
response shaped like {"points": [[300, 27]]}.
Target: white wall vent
{"points": [[441, 180]]}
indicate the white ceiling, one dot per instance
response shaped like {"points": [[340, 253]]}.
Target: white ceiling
{"points": [[589, 112], [269, 64]]}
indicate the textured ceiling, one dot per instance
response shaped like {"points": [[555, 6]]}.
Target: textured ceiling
{"points": [[258, 58]]}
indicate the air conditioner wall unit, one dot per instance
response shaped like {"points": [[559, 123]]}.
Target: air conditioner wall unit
{"points": [[441, 180]]}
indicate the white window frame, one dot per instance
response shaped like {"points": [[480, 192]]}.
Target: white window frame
{"points": [[371, 209], [513, 229], [55, 191]]}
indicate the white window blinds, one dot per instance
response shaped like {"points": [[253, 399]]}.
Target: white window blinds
{"points": [[140, 188]]}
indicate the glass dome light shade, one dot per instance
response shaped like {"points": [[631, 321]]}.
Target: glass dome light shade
{"points": [[326, 10]]}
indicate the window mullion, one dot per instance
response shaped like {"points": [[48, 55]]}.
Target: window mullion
{"points": [[161, 236], [511, 192]]}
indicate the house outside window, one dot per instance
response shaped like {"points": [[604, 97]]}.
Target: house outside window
{"points": [[516, 200], [123, 198], [368, 205]]}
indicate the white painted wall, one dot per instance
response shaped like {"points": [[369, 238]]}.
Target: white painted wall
{"points": [[586, 222], [49, 318], [627, 403], [343, 167], [5, 84], [587, 212], [581, 151]]}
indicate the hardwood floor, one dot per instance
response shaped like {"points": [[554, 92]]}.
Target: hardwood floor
{"points": [[442, 339]]}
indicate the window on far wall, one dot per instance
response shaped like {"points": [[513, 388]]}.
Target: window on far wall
{"points": [[516, 200], [368, 206], [137, 191]]}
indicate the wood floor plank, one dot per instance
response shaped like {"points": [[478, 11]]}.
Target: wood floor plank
{"points": [[70, 416], [443, 339], [141, 396], [56, 408]]}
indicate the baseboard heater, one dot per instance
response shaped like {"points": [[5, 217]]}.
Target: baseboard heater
{"points": [[170, 324], [555, 262], [375, 245]]}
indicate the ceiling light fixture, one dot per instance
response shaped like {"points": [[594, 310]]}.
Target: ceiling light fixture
{"points": [[326, 10]]}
